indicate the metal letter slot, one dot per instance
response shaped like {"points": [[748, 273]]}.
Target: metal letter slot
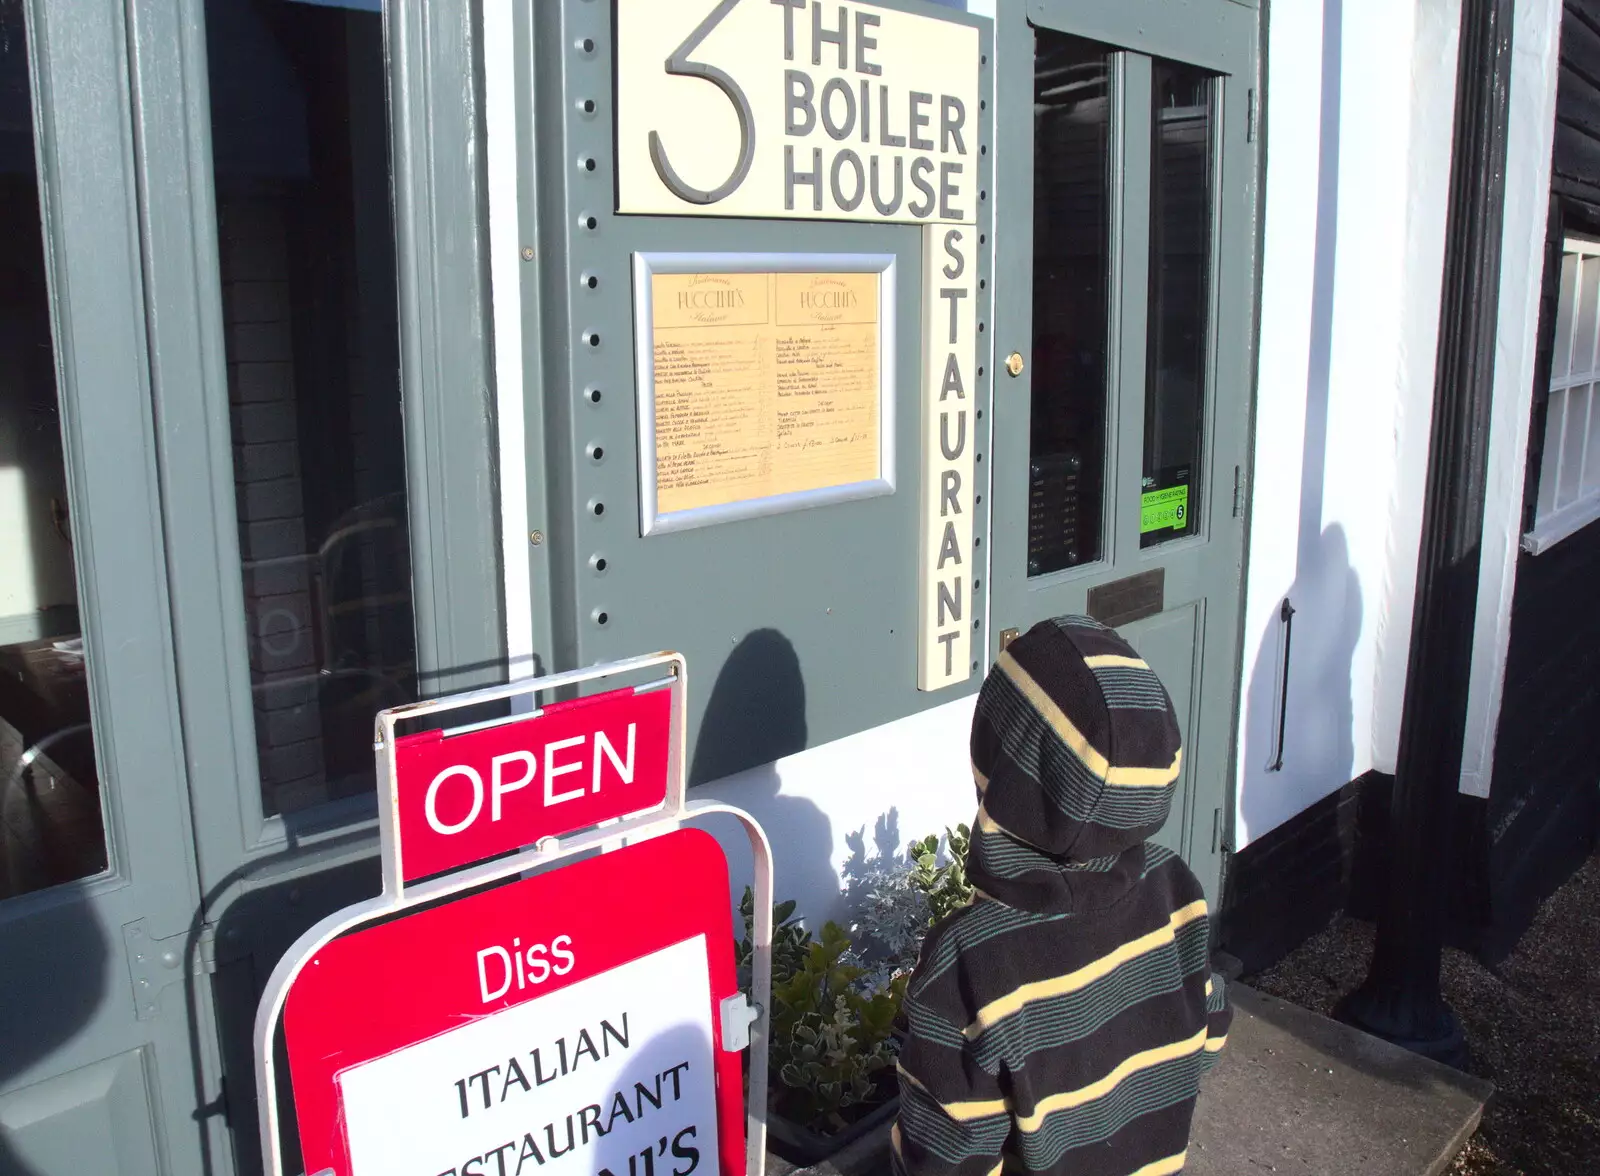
{"points": [[1122, 602]]}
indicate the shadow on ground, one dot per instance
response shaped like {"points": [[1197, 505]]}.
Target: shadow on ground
{"points": [[1532, 1024]]}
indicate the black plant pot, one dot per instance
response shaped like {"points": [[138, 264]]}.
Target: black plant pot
{"points": [[803, 1147]]}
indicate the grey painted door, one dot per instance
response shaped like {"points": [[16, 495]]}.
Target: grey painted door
{"points": [[236, 247], [1124, 259], [314, 199], [99, 1053]]}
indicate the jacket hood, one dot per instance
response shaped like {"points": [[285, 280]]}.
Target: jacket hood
{"points": [[1076, 755]]}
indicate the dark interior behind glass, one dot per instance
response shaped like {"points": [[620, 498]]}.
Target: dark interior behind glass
{"points": [[300, 139], [51, 828], [1180, 302], [1071, 314]]}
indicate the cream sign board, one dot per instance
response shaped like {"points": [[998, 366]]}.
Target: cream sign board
{"points": [[946, 560], [796, 108], [601, 1077]]}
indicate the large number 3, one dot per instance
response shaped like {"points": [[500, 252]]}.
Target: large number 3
{"points": [[680, 65]]}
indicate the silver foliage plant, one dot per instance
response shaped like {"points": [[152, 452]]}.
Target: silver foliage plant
{"points": [[894, 896]]}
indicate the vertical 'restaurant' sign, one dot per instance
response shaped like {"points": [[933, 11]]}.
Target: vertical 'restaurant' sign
{"points": [[949, 433]]}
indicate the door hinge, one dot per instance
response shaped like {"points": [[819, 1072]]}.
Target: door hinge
{"points": [[154, 964], [1238, 491], [1250, 117]]}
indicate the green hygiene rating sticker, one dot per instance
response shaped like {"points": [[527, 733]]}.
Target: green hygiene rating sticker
{"points": [[1161, 510]]}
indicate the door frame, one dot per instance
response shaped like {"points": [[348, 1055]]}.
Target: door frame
{"points": [[96, 239], [436, 169], [251, 866], [1222, 37]]}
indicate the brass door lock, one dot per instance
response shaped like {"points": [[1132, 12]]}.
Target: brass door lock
{"points": [[1014, 363]]}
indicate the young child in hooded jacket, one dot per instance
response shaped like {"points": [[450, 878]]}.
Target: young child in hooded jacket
{"points": [[1061, 1022]]}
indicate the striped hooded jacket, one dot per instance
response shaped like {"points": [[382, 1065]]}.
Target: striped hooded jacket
{"points": [[1061, 1022]]}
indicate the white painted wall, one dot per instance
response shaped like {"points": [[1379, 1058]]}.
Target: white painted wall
{"points": [[1433, 85], [1359, 110], [1377, 326], [875, 790]]}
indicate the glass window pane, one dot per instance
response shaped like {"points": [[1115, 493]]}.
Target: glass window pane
{"points": [[1555, 423], [50, 824], [1573, 444], [1591, 459], [1180, 302], [300, 136], [1561, 355], [1586, 316], [1071, 325]]}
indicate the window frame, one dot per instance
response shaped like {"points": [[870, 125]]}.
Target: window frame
{"points": [[453, 509], [1557, 517]]}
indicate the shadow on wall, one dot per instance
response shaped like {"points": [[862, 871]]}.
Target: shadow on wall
{"points": [[1318, 724], [73, 969], [1318, 743], [756, 715]]}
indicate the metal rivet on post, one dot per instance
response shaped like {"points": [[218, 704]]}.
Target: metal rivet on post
{"points": [[536, 537]]}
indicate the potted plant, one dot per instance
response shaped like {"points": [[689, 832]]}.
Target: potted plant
{"points": [[836, 997]]}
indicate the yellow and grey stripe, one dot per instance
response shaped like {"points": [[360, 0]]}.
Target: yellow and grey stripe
{"points": [[1164, 1167], [1091, 757], [1146, 1083], [1054, 1022], [953, 1131], [1116, 797], [1013, 1002], [897, 1148], [1127, 1068], [1109, 661], [975, 925], [962, 1111]]}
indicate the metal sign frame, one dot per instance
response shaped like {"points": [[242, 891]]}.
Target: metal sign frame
{"points": [[646, 264], [397, 897]]}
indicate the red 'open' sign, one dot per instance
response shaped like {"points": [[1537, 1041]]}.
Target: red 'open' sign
{"points": [[463, 798]]}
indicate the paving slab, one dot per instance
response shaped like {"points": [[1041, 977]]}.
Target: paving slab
{"points": [[1299, 1094]]}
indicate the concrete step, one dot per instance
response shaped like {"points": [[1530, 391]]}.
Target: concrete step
{"points": [[1301, 1094], [1295, 1093]]}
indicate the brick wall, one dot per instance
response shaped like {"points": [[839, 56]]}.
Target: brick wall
{"points": [[279, 574]]}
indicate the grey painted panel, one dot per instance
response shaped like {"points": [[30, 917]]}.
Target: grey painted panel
{"points": [[799, 628], [441, 232], [94, 1119], [64, 969], [1171, 644], [189, 382]]}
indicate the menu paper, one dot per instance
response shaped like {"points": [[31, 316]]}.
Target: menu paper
{"points": [[765, 384]]}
